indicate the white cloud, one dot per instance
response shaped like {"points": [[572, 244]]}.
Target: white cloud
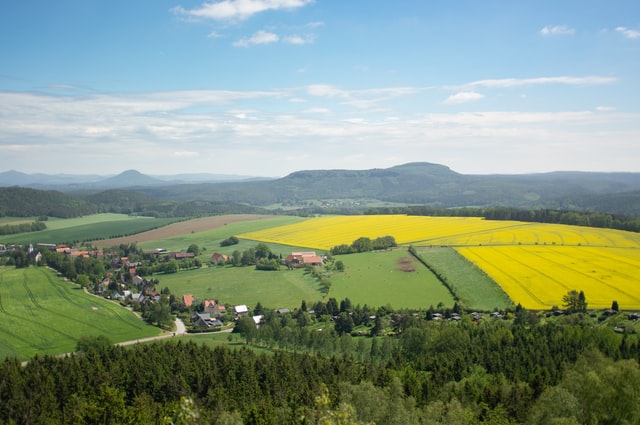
{"points": [[628, 33], [201, 130], [605, 108], [516, 82], [463, 97], [260, 37], [232, 10], [299, 40], [557, 30]]}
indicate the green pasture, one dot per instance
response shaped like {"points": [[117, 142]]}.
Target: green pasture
{"points": [[244, 285], [41, 313], [375, 279], [474, 288], [209, 240], [97, 226]]}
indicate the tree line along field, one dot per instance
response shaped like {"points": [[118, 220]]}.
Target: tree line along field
{"points": [[41, 313]]}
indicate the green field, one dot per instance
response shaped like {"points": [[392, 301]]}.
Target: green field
{"points": [[474, 288], [41, 313], [210, 239], [377, 279], [245, 285], [97, 226]]}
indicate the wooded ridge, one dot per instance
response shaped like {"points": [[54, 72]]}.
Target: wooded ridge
{"points": [[415, 183]]}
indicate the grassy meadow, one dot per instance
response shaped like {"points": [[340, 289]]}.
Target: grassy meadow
{"points": [[245, 285], [474, 288], [97, 226], [41, 313], [392, 278]]}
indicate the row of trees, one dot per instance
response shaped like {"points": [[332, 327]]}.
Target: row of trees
{"points": [[545, 215], [365, 244], [11, 229]]}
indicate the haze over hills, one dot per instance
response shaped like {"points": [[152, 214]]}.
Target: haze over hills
{"points": [[129, 178], [413, 183]]}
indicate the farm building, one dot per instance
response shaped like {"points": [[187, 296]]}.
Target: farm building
{"points": [[301, 259], [219, 258]]}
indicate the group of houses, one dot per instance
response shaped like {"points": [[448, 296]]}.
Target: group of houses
{"points": [[212, 312]]}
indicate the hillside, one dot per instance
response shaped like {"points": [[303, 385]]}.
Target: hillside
{"points": [[414, 183]]}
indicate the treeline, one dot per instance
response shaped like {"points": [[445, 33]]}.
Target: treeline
{"points": [[577, 218], [11, 229], [434, 373], [365, 244]]}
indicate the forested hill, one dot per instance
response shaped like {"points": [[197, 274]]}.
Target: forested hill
{"points": [[430, 184], [415, 183], [25, 202]]}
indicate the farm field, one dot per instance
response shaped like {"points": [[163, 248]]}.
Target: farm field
{"points": [[41, 313], [392, 278], [538, 277], [474, 288], [324, 232], [535, 264], [97, 226], [245, 285]]}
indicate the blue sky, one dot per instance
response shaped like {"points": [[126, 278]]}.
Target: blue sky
{"points": [[267, 87]]}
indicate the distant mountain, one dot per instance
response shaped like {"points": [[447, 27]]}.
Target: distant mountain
{"points": [[419, 183], [130, 178]]}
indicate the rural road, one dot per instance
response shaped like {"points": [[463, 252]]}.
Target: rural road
{"points": [[181, 329]]}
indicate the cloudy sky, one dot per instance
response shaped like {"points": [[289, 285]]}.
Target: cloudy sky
{"points": [[267, 87]]}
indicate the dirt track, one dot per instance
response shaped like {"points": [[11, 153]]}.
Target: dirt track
{"points": [[181, 228]]}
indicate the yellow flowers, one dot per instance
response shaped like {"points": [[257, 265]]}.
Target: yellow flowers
{"points": [[535, 264], [538, 276]]}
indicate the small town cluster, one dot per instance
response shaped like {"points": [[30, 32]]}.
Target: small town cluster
{"points": [[127, 274]]}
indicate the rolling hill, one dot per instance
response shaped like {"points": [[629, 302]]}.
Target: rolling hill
{"points": [[414, 183]]}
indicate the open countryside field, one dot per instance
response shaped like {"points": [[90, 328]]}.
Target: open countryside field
{"points": [[552, 258], [473, 287], [245, 285], [392, 278], [183, 229], [97, 226], [538, 276], [41, 313]]}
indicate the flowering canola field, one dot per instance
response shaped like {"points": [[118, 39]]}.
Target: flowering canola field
{"points": [[536, 264]]}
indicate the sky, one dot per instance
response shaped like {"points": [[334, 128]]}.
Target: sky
{"points": [[268, 87]]}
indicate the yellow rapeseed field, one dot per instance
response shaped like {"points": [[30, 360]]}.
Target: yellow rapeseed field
{"points": [[535, 264], [538, 276]]}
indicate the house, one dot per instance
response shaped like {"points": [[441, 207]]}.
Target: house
{"points": [[217, 258], [301, 259], [257, 320], [204, 320], [187, 300], [179, 256], [240, 310], [213, 308], [137, 280], [35, 257], [282, 311]]}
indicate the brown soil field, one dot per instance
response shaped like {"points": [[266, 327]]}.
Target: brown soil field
{"points": [[181, 228]]}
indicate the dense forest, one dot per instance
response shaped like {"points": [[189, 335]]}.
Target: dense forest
{"points": [[565, 371]]}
